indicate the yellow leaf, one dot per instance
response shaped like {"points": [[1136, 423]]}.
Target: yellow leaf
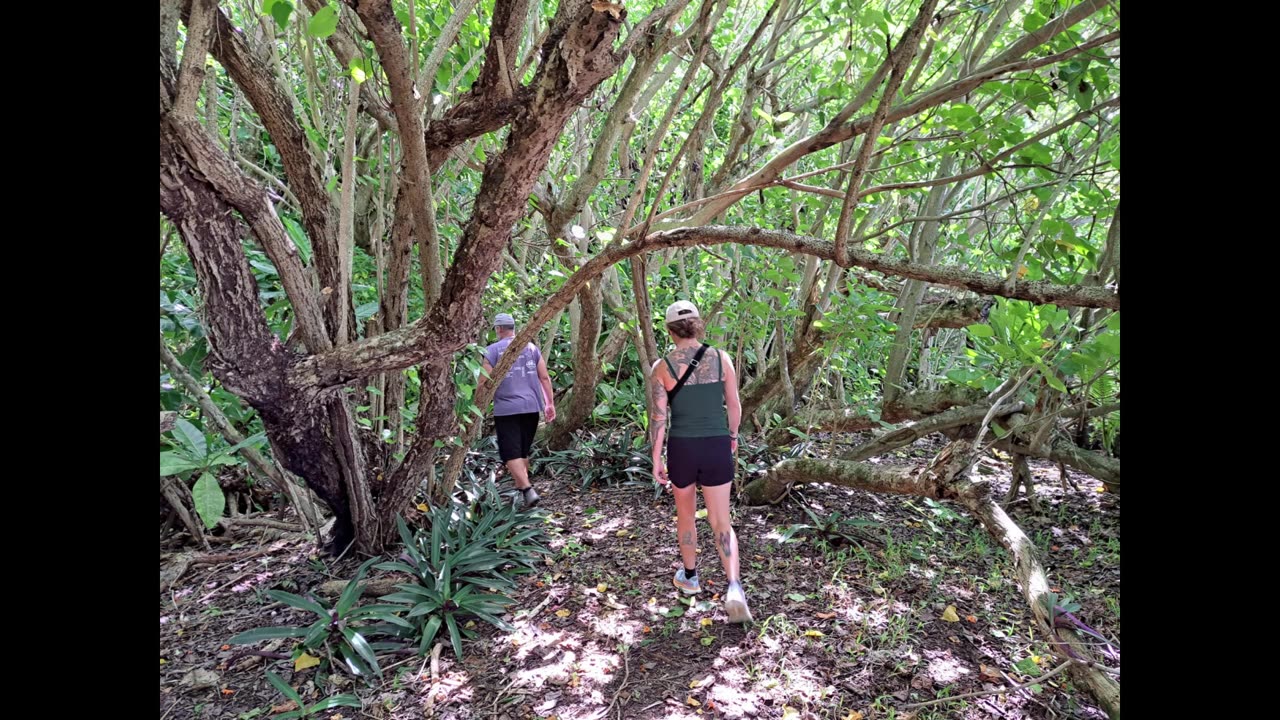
{"points": [[305, 661], [704, 622], [853, 715], [422, 507], [950, 614], [790, 713], [691, 701], [602, 587], [562, 613], [163, 661], [470, 624], [701, 513], [1101, 488], [1022, 271], [813, 633], [622, 533]]}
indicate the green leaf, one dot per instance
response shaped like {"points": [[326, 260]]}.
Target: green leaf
{"points": [[1027, 666], [173, 464], [281, 10], [299, 602], [191, 438], [360, 645], [674, 612], [796, 597], [210, 502], [324, 23], [284, 688], [250, 637], [981, 331], [454, 635], [359, 69], [254, 441]]}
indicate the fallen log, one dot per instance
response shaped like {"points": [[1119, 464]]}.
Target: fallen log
{"points": [[945, 478]]}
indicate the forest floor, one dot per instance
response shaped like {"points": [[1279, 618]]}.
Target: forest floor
{"points": [[918, 608]]}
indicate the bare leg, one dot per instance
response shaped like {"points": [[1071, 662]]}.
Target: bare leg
{"points": [[686, 524], [519, 469], [717, 500]]}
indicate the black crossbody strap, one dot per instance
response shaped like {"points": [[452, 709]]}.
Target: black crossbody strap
{"points": [[697, 357]]}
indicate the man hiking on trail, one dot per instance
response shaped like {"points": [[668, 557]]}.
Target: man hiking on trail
{"points": [[522, 394], [701, 387]]}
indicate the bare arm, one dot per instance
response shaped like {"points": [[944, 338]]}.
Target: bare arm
{"points": [[658, 420], [547, 391], [731, 400], [484, 376]]}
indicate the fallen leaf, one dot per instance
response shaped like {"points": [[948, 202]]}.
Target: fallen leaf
{"points": [[971, 618], [305, 661], [701, 513], [602, 587], [1101, 488], [470, 624], [813, 633], [990, 673], [228, 691], [163, 661], [853, 715], [422, 507], [562, 613], [646, 629], [825, 616], [796, 597], [790, 713], [622, 533], [691, 701], [200, 679], [284, 707], [704, 622], [706, 641], [950, 614]]}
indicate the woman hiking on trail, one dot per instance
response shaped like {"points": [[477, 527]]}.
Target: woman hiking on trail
{"points": [[700, 385]]}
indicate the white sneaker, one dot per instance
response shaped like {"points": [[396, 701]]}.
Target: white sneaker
{"points": [[735, 604]]}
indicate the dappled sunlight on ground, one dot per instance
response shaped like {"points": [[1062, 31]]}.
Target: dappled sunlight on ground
{"points": [[598, 632]]}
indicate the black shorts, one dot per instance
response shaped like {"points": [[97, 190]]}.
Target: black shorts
{"points": [[515, 434], [707, 461]]}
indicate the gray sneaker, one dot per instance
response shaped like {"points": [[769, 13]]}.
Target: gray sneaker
{"points": [[530, 497], [735, 604], [686, 585]]}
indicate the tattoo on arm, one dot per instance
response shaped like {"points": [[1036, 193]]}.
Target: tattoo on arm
{"points": [[726, 543]]}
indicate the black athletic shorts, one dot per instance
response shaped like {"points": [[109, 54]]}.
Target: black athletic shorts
{"points": [[515, 434], [707, 461]]}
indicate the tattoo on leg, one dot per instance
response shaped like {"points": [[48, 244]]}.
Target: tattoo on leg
{"points": [[686, 538], [726, 544]]}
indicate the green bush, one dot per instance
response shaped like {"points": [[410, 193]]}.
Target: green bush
{"points": [[462, 563]]}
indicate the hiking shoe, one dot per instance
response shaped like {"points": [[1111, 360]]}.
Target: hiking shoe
{"points": [[735, 604], [530, 497], [688, 586]]}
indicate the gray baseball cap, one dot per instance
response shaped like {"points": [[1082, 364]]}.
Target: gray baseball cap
{"points": [[504, 320]]}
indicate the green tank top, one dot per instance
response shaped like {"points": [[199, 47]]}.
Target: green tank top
{"points": [[698, 410]]}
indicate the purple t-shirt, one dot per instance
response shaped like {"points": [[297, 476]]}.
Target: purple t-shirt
{"points": [[520, 391]]}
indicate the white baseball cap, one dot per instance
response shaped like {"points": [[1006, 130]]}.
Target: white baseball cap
{"points": [[681, 310]]}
